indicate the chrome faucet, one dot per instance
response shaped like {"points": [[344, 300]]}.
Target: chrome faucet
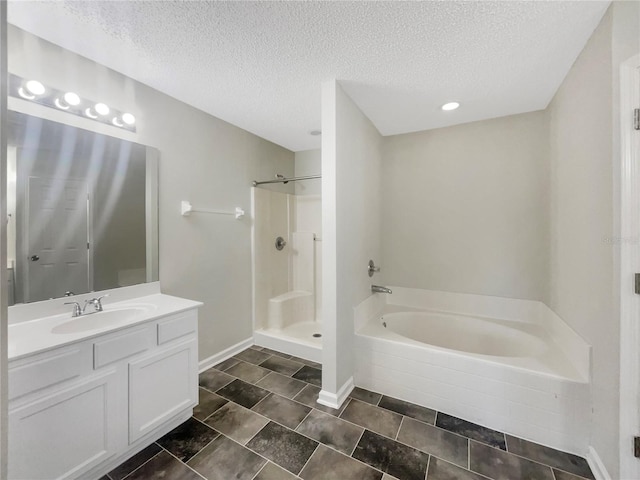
{"points": [[96, 302], [78, 310], [379, 289]]}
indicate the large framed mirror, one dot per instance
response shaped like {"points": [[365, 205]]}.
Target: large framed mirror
{"points": [[82, 210]]}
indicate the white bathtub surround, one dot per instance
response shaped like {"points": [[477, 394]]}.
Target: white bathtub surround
{"points": [[597, 465], [535, 384]]}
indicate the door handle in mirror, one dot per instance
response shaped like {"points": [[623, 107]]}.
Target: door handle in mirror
{"points": [[35, 258]]}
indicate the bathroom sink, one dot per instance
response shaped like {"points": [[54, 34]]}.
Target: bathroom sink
{"points": [[99, 320]]}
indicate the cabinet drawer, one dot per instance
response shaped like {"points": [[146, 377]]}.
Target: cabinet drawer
{"points": [[176, 327], [46, 370], [122, 346]]}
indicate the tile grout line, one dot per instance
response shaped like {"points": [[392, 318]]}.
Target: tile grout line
{"points": [[142, 464], [426, 472], [526, 458], [356, 445], [305, 436], [467, 470], [309, 459], [258, 472], [255, 453], [302, 421], [185, 463], [208, 443], [399, 428]]}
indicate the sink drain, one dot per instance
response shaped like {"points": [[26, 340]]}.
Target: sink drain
{"points": [[317, 335]]}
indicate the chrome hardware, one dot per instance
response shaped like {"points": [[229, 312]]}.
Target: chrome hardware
{"points": [[283, 179], [380, 289], [34, 258], [280, 243], [96, 302], [69, 293], [372, 268], [77, 311]]}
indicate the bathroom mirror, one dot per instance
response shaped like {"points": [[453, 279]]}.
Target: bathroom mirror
{"points": [[82, 210]]}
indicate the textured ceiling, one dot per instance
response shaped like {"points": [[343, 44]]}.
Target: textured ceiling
{"points": [[259, 65]]}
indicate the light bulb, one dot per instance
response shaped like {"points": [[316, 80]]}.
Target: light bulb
{"points": [[128, 118], [34, 87], [116, 121], [89, 113], [24, 94], [71, 99], [61, 104], [450, 106], [102, 108]]}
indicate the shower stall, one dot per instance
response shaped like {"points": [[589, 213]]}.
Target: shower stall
{"points": [[287, 249]]}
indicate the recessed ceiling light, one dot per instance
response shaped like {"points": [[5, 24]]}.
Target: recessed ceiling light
{"points": [[450, 106], [315, 133]]}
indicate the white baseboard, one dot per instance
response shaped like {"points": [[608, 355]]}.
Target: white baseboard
{"points": [[597, 467], [207, 363], [334, 400]]}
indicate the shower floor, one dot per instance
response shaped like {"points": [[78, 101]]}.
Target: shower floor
{"points": [[297, 339]]}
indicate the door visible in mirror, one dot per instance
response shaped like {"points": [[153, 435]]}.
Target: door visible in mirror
{"points": [[82, 210]]}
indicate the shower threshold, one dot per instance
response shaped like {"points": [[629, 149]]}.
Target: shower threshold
{"points": [[298, 339]]}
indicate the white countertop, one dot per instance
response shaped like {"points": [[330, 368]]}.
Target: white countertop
{"points": [[36, 335]]}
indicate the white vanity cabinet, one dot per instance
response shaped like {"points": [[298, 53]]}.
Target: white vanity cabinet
{"points": [[78, 410]]}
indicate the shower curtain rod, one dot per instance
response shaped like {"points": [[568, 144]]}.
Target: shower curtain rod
{"points": [[285, 180]]}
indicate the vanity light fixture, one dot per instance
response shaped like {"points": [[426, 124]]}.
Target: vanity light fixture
{"points": [[128, 118], [450, 106], [125, 118], [31, 89], [89, 113], [72, 99], [35, 87], [70, 102], [102, 108]]}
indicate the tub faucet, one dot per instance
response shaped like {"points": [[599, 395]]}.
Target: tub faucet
{"points": [[379, 289]]}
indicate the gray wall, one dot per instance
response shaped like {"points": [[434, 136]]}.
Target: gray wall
{"points": [[465, 208], [202, 159], [581, 134], [351, 228], [308, 162]]}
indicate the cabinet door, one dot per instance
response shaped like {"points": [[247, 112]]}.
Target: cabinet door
{"points": [[161, 386], [66, 433]]}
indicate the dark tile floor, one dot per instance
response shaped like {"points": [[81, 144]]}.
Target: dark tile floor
{"points": [[258, 420]]}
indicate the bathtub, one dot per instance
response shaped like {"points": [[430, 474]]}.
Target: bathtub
{"points": [[511, 365]]}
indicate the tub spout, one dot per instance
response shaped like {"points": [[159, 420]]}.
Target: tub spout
{"points": [[379, 289]]}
